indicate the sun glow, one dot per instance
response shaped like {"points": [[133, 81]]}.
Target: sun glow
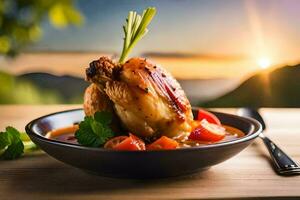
{"points": [[264, 62]]}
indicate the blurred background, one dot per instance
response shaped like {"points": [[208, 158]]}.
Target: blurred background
{"points": [[224, 53]]}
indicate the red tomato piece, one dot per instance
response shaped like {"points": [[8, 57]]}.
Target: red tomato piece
{"points": [[163, 143], [110, 144], [208, 132], [131, 143], [211, 118]]}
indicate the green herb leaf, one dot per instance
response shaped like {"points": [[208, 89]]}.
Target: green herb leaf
{"points": [[95, 131], [103, 117], [135, 29], [10, 143], [4, 141], [14, 150]]}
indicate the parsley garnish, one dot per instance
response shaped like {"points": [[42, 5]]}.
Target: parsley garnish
{"points": [[14, 143], [94, 131], [135, 29], [11, 146]]}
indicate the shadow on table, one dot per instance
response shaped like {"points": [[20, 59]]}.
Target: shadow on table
{"points": [[42, 174], [261, 151]]}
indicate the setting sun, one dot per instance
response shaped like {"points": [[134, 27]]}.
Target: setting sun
{"points": [[264, 62]]}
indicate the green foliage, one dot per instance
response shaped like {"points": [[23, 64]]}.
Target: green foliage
{"points": [[20, 21], [24, 92], [41, 89], [14, 143], [95, 131], [62, 14], [10, 144]]}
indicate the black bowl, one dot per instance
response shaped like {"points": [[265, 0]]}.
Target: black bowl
{"points": [[139, 164]]}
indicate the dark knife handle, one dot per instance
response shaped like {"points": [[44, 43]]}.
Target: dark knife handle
{"points": [[284, 165]]}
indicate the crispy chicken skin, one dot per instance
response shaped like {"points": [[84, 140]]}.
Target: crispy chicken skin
{"points": [[97, 100], [146, 98], [94, 100]]}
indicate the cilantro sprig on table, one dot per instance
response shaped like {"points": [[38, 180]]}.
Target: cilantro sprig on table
{"points": [[94, 131], [13, 144]]}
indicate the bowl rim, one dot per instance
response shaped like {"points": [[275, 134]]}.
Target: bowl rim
{"points": [[256, 131]]}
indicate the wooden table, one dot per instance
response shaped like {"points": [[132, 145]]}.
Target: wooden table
{"points": [[248, 175]]}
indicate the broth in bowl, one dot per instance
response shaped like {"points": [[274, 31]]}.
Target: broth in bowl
{"points": [[67, 134]]}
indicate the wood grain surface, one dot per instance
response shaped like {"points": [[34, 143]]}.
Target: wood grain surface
{"points": [[248, 175]]}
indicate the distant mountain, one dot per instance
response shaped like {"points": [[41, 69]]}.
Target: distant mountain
{"points": [[196, 89], [69, 89], [191, 55], [279, 88]]}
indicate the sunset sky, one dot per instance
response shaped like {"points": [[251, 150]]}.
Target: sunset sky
{"points": [[198, 39], [256, 29]]}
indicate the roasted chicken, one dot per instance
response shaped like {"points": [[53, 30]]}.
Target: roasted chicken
{"points": [[146, 98], [96, 100]]}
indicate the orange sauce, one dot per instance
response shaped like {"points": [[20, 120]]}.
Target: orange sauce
{"points": [[234, 132], [231, 134], [66, 134], [57, 132]]}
